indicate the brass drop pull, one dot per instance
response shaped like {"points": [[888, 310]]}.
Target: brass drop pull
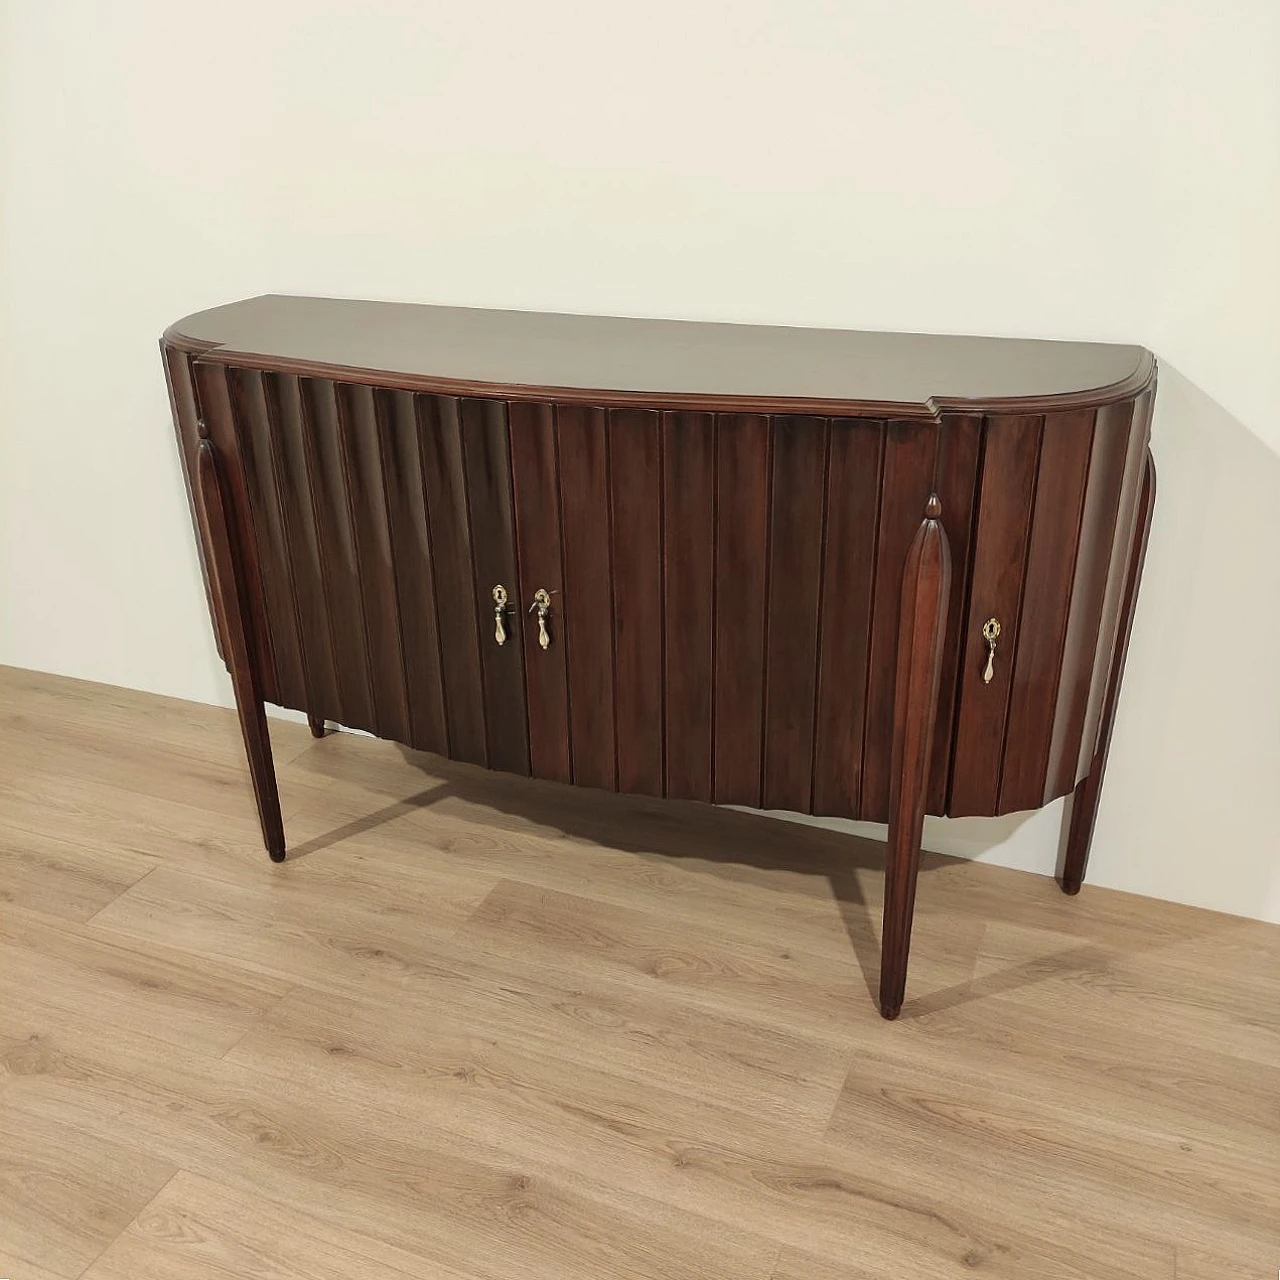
{"points": [[990, 633], [542, 604], [500, 614]]}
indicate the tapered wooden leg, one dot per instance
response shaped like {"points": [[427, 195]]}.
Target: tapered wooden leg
{"points": [[1084, 803], [926, 587], [230, 596], [316, 725]]}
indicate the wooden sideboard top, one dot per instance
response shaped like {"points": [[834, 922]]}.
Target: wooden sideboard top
{"points": [[668, 363]]}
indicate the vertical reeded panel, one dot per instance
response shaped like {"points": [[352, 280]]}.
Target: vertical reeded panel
{"points": [[849, 558], [457, 607], [182, 402], [1108, 455], [214, 401], [536, 493], [587, 603], [256, 432], [959, 446], [797, 512], [635, 486], [1109, 630], [488, 471], [909, 469], [371, 541], [741, 552], [411, 557], [1011, 449], [1046, 599], [689, 508], [337, 553], [315, 623]]}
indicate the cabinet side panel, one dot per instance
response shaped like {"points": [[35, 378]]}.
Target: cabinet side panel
{"points": [[741, 548], [1010, 453], [688, 452], [182, 405], [797, 515], [449, 530], [635, 459], [298, 502], [957, 483], [535, 490], [911, 450], [848, 569], [214, 400], [487, 459], [1046, 599], [1105, 486], [1117, 577], [587, 601]]}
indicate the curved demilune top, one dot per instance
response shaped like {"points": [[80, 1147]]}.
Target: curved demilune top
{"points": [[662, 363]]}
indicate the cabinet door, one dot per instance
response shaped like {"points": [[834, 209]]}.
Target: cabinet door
{"points": [[615, 513], [374, 525]]}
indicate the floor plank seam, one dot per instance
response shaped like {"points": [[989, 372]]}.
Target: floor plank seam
{"points": [[92, 920], [114, 1239]]}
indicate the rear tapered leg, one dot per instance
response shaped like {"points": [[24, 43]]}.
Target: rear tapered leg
{"points": [[1084, 803], [227, 581], [926, 586]]}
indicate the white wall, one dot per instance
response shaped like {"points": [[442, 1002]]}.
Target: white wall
{"points": [[1104, 169]]}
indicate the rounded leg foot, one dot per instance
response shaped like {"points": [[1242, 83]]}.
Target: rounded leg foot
{"points": [[316, 726], [890, 1011], [1070, 887], [276, 855]]}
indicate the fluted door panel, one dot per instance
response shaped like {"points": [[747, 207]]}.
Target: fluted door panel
{"points": [[377, 523], [1055, 521]]}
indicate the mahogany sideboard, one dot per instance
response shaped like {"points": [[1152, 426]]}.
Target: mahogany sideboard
{"points": [[865, 575]]}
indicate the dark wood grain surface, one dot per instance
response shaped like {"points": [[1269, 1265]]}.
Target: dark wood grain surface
{"points": [[689, 599], [458, 607], [536, 493], [742, 543], [998, 573], [662, 363], [909, 468], [587, 609], [487, 462], [854, 475], [797, 508], [635, 492]]}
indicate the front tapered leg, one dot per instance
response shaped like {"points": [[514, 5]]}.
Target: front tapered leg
{"points": [[926, 586], [230, 596]]}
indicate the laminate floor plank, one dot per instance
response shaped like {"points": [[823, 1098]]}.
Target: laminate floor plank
{"points": [[88, 975], [100, 818], [62, 878], [66, 1194], [781, 983], [196, 1228], [481, 1028], [285, 928], [465, 1205]]}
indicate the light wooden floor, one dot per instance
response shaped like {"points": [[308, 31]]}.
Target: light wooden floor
{"points": [[479, 1027]]}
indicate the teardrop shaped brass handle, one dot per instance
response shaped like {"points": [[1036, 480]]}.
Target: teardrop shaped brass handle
{"points": [[542, 605], [500, 614], [990, 633]]}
